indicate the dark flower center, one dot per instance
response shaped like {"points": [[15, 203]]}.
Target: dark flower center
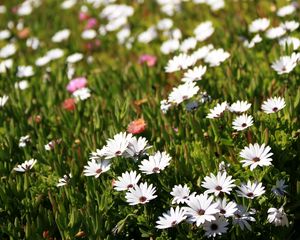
{"points": [[275, 109], [256, 159], [222, 211], [118, 152], [130, 186], [218, 188], [99, 170], [155, 170], [201, 212], [244, 125], [214, 227], [174, 223], [142, 199], [250, 194], [184, 97], [237, 215]]}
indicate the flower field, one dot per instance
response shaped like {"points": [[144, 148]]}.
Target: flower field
{"points": [[149, 119]]}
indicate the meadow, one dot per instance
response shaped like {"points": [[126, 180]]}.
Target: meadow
{"points": [[149, 119]]}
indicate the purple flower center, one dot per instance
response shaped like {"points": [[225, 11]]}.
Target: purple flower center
{"points": [[256, 159], [99, 170], [244, 125], [201, 212], [142, 199], [155, 170], [214, 227], [218, 188], [118, 153], [250, 195], [275, 109]]}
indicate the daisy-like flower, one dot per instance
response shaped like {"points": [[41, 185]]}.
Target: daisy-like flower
{"points": [[202, 52], [273, 105], [227, 209], [61, 35], [116, 146], [194, 74], [290, 41], [239, 107], [260, 24], [285, 64], [182, 61], [278, 217], [171, 218], [180, 193], [215, 227], [251, 190], [183, 92], [241, 218], [95, 168], [137, 147], [201, 208], [26, 166], [164, 106], [286, 10], [159, 161], [215, 57], [25, 71], [219, 184], [279, 188], [275, 32], [204, 31], [126, 181], [141, 194], [82, 94], [290, 25], [256, 155], [188, 44], [250, 44], [3, 100], [64, 180], [242, 122], [24, 140], [218, 110]]}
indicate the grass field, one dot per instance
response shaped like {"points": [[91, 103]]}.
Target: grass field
{"points": [[155, 119]]}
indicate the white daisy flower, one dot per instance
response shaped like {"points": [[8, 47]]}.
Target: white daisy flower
{"points": [[141, 194], [126, 181], [182, 61], [242, 122], [164, 106], [290, 41], [273, 105], [275, 32], [219, 184], [256, 155], [241, 218], [227, 209], [42, 61], [278, 217], [74, 58], [165, 24], [4, 34], [8, 50], [285, 64], [171, 218], [26, 166], [55, 53], [239, 106], [33, 43], [183, 92], [215, 227], [23, 141], [116, 146], [25, 71], [61, 35], [286, 10], [147, 36], [218, 110], [250, 44], [216, 57], [157, 162], [64, 180], [290, 25], [170, 46], [5, 65], [201, 208], [3, 100], [136, 148], [204, 31], [188, 44], [89, 34], [180, 193], [250, 190], [22, 85], [95, 168], [194, 74], [279, 188], [202, 52], [260, 24], [82, 94]]}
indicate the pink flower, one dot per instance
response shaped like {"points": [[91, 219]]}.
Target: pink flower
{"points": [[137, 126], [83, 16], [150, 60], [91, 23], [76, 84], [69, 104]]}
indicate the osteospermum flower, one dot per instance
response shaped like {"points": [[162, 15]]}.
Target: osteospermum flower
{"points": [[180, 193], [182, 61], [183, 92], [172, 218], [24, 140], [216, 56], [260, 24], [285, 64], [201, 208], [273, 105], [95, 168], [26, 166], [239, 106], [126, 181], [256, 155], [275, 32], [159, 161], [141, 194], [116, 146], [227, 209], [218, 110], [242, 122], [194, 74], [219, 184], [251, 190], [76, 84], [64, 180], [82, 94], [241, 218], [215, 227], [137, 147], [278, 217], [279, 188]]}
